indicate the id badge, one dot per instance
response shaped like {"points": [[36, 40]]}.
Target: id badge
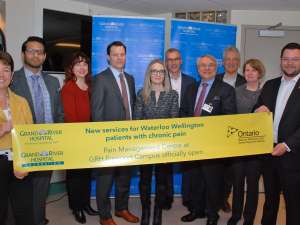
{"points": [[207, 108]]}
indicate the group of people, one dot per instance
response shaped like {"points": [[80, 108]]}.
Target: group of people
{"points": [[31, 96]]}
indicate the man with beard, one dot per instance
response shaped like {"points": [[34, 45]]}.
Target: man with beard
{"points": [[42, 93], [281, 171]]}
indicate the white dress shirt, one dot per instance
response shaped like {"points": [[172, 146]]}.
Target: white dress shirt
{"points": [[284, 92], [230, 79], [176, 85], [116, 74]]}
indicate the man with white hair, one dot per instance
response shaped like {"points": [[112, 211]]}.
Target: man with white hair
{"points": [[210, 97]]}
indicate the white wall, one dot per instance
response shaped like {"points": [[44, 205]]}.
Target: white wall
{"points": [[255, 17], [25, 18]]}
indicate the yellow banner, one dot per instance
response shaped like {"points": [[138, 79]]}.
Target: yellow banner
{"points": [[122, 143]]}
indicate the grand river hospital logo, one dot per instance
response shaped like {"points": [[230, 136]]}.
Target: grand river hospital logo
{"points": [[231, 131]]}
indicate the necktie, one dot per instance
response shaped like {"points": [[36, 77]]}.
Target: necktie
{"points": [[200, 101], [38, 99], [124, 96]]}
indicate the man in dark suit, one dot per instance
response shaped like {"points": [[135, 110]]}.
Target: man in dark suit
{"points": [[42, 93], [180, 82], [231, 62], [211, 97], [281, 169], [113, 97]]}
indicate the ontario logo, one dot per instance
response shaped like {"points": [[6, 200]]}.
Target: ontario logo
{"points": [[245, 136], [231, 131]]}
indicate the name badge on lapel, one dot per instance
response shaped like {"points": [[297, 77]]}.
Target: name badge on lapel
{"points": [[207, 108]]}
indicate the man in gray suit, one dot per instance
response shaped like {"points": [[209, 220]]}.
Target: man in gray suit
{"points": [[113, 96], [42, 93]]}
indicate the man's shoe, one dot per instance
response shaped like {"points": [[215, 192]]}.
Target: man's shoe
{"points": [[109, 221], [226, 207], [46, 221], [126, 215], [192, 216], [90, 211], [79, 216]]}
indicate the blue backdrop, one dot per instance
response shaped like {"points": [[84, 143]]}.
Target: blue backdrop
{"points": [[194, 39], [145, 40]]}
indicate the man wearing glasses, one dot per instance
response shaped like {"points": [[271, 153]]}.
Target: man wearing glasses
{"points": [[190, 186], [210, 98], [42, 93], [281, 169]]}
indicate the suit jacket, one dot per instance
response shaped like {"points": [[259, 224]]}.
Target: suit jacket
{"points": [[239, 79], [289, 125], [20, 113], [221, 97], [106, 99], [20, 86], [186, 81]]}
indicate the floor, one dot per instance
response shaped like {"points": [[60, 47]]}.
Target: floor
{"points": [[59, 214]]}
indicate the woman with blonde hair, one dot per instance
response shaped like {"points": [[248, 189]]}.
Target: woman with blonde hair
{"points": [[156, 100]]}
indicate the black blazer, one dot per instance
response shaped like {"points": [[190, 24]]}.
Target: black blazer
{"points": [[289, 125], [186, 81], [106, 98], [221, 97], [20, 86], [239, 79]]}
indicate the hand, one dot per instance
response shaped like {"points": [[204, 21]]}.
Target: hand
{"points": [[262, 108], [279, 150], [20, 174]]}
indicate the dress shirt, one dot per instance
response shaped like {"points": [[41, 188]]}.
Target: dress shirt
{"points": [[176, 85], [45, 93], [284, 92], [116, 74], [230, 79]]}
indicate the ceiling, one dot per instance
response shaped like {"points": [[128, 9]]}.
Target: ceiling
{"points": [[148, 7]]}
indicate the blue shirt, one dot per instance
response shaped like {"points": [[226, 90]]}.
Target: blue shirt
{"points": [[45, 93]]}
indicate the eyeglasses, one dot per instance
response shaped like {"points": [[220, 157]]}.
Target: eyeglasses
{"points": [[293, 60], [173, 60], [158, 72], [32, 51], [209, 65]]}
